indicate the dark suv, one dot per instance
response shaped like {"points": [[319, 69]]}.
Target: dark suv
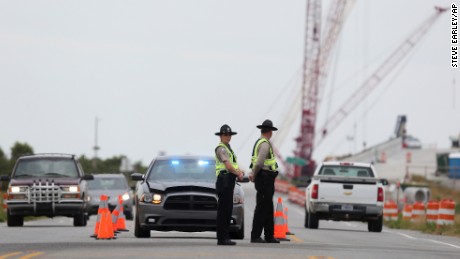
{"points": [[46, 185]]}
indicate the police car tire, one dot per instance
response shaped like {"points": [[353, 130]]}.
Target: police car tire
{"points": [[238, 234], [138, 231]]}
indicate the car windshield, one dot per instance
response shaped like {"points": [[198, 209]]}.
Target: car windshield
{"points": [[103, 183], [346, 171], [183, 170], [52, 167]]}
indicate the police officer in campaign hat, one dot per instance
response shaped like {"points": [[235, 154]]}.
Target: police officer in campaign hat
{"points": [[227, 171], [263, 174]]}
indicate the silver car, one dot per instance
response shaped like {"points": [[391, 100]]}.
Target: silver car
{"points": [[112, 185], [179, 193]]}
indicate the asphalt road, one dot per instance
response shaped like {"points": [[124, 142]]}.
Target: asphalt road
{"points": [[57, 238]]}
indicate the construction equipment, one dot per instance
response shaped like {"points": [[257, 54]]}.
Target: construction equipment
{"points": [[312, 87], [317, 54]]}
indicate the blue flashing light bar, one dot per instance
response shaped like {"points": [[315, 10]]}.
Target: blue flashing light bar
{"points": [[175, 162], [201, 162]]}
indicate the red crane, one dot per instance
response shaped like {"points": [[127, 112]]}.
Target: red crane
{"points": [[316, 56]]}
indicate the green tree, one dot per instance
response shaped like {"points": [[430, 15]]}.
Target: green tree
{"points": [[112, 165], [100, 166], [4, 163], [86, 164], [139, 168], [20, 149], [5, 169]]}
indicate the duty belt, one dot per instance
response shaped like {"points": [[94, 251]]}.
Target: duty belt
{"points": [[222, 172]]}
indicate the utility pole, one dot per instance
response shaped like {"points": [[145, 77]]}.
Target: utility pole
{"points": [[96, 147]]}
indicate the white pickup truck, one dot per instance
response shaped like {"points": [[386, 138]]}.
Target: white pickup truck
{"points": [[345, 191]]}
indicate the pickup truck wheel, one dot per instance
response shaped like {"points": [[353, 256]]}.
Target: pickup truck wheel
{"points": [[306, 219], [14, 221], [313, 221], [375, 225], [79, 220], [138, 231], [238, 234]]}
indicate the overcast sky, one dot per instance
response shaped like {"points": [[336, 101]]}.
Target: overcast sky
{"points": [[165, 75]]}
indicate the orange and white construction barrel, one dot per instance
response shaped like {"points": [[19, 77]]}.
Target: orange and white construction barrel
{"points": [[418, 212], [407, 212], [432, 211], [390, 210], [446, 212]]}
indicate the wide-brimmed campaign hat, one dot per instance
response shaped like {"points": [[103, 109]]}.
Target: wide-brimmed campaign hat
{"points": [[267, 124], [225, 129]]}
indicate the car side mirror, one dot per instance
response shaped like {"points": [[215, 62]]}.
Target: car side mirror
{"points": [[5, 178], [137, 177], [88, 177], [384, 182], [244, 180]]}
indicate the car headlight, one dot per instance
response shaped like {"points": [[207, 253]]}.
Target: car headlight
{"points": [[18, 189], [17, 193], [125, 196], [71, 192], [72, 188], [147, 197], [151, 198], [157, 198]]}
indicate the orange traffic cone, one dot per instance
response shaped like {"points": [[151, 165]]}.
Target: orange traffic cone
{"points": [[115, 215], [100, 210], [106, 227], [121, 224], [286, 222], [280, 227]]}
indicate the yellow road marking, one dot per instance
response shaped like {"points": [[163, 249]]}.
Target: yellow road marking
{"points": [[30, 255], [296, 239], [320, 257], [9, 255]]}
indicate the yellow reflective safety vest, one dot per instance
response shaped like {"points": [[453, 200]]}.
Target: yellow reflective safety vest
{"points": [[220, 166], [269, 162]]}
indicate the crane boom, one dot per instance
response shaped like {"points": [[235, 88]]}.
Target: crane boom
{"points": [[317, 54], [371, 83], [310, 79]]}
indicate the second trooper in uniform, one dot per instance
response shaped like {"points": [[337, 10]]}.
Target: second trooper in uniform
{"points": [[227, 170], [264, 171]]}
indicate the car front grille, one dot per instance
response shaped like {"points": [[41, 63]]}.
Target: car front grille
{"points": [[191, 202], [177, 189], [202, 222], [44, 193]]}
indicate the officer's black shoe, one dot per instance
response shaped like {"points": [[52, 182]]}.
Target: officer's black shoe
{"points": [[257, 240], [271, 240], [226, 242]]}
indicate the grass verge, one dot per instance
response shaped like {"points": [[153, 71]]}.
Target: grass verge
{"points": [[428, 228]]}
